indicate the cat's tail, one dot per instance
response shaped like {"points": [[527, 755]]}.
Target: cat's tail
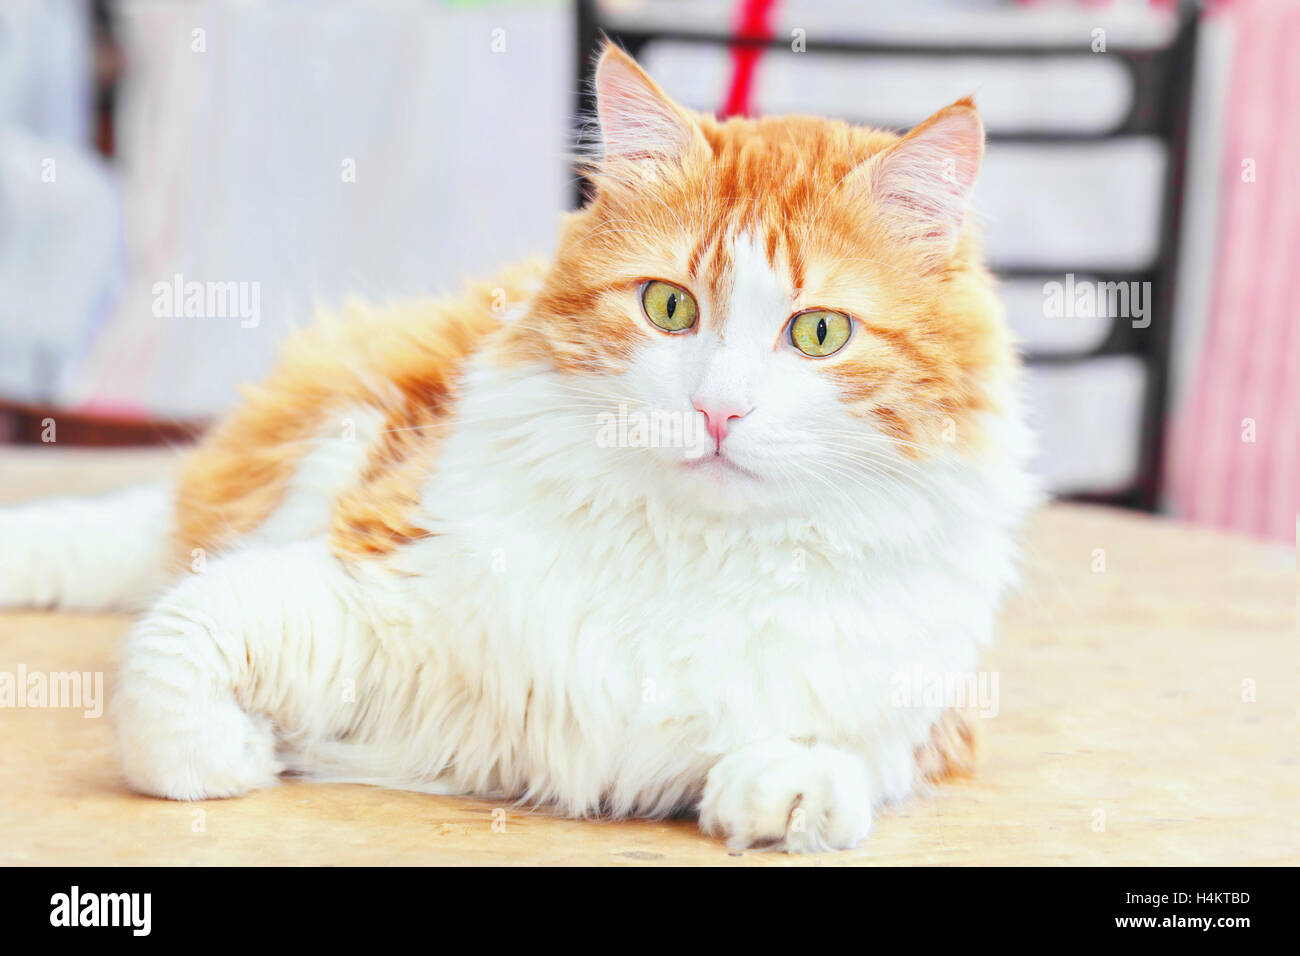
{"points": [[107, 553]]}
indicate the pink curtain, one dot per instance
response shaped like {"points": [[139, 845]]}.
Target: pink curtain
{"points": [[1232, 458]]}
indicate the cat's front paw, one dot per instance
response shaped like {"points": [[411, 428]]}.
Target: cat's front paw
{"points": [[181, 733], [788, 796]]}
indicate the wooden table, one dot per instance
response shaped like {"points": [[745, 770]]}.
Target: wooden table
{"points": [[1147, 715]]}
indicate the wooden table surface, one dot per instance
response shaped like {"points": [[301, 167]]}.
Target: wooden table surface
{"points": [[1147, 714]]}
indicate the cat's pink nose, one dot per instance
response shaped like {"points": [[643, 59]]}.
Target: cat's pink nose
{"points": [[718, 417]]}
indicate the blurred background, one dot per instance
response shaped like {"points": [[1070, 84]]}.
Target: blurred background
{"points": [[1139, 199]]}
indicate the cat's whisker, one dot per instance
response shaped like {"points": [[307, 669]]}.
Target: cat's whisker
{"points": [[839, 490], [894, 472]]}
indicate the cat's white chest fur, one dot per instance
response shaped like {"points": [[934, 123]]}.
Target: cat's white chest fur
{"points": [[602, 648]]}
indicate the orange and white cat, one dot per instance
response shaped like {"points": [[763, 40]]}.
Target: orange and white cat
{"points": [[654, 527]]}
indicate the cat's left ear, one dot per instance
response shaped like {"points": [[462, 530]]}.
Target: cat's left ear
{"points": [[638, 120], [922, 183]]}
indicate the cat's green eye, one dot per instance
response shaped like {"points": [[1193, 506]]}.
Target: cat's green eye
{"points": [[820, 332], [668, 306]]}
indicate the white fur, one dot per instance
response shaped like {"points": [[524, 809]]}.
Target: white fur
{"points": [[103, 553], [611, 630], [804, 797], [329, 468]]}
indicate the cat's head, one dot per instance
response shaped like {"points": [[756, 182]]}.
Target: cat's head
{"points": [[756, 308]]}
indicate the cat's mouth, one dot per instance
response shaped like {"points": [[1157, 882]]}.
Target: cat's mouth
{"points": [[721, 465]]}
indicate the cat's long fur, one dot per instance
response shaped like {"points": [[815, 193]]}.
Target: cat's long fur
{"points": [[411, 559]]}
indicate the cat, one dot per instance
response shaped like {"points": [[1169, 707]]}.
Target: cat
{"points": [[445, 547]]}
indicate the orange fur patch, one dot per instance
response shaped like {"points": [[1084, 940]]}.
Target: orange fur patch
{"points": [[402, 360]]}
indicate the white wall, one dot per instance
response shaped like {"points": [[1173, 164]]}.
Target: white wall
{"points": [[233, 144]]}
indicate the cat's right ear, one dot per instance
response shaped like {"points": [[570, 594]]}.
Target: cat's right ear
{"points": [[922, 184], [638, 120]]}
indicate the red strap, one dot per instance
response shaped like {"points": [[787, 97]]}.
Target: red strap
{"points": [[754, 21]]}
